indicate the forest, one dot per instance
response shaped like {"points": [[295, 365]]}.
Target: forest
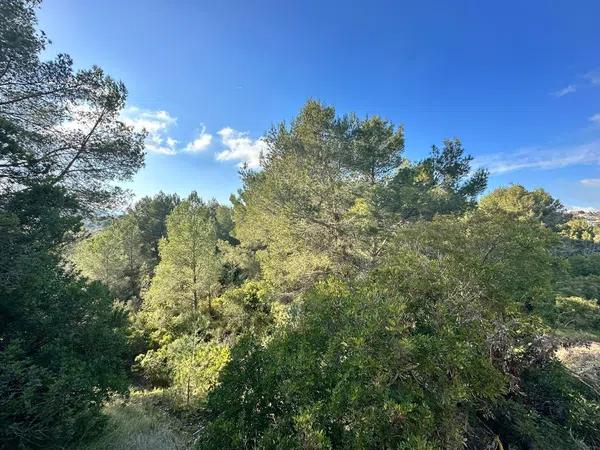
{"points": [[346, 298]]}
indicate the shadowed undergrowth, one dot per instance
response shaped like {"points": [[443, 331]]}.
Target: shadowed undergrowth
{"points": [[136, 424]]}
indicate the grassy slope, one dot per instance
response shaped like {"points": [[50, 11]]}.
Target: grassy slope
{"points": [[136, 424]]}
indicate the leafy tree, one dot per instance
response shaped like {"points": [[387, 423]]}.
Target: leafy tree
{"points": [[124, 253], [581, 286], [187, 276], [188, 366], [114, 257], [519, 202], [344, 374], [419, 355], [189, 344], [440, 184], [581, 229], [576, 313], [59, 126], [580, 246], [331, 191], [151, 217], [580, 265], [62, 344], [376, 148]]}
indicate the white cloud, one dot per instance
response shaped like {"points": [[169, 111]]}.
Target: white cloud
{"points": [[593, 76], [151, 121], [157, 124], [564, 91], [590, 182], [541, 158], [80, 118], [200, 143], [240, 147], [595, 118]]}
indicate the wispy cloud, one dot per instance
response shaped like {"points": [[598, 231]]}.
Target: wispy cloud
{"points": [[595, 119], [157, 124], [594, 182], [200, 143], [564, 91], [593, 76], [541, 158], [240, 147]]}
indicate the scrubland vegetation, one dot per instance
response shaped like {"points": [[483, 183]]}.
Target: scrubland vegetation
{"points": [[348, 298]]}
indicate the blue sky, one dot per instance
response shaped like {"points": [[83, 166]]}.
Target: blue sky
{"points": [[518, 82]]}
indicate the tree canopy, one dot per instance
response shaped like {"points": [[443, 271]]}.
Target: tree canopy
{"points": [[332, 190], [57, 125], [350, 298]]}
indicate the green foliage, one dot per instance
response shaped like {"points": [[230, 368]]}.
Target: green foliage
{"points": [[151, 217], [511, 261], [188, 366], [581, 229], [555, 402], [124, 253], [442, 183], [114, 257], [179, 309], [58, 126], [62, 343], [520, 203], [583, 276], [245, 309], [345, 376], [332, 190], [580, 265], [575, 313], [413, 356], [582, 286], [197, 367], [187, 276], [350, 299]]}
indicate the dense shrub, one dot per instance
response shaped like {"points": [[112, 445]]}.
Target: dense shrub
{"points": [[440, 347], [59, 363], [187, 366], [576, 313], [552, 401], [581, 286], [62, 343], [355, 368]]}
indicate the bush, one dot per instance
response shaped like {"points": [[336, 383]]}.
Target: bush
{"points": [[187, 367], [59, 362], [582, 286], [354, 369], [577, 313], [440, 347], [553, 401], [62, 342]]}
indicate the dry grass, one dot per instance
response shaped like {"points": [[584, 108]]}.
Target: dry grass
{"points": [[583, 360], [134, 425]]}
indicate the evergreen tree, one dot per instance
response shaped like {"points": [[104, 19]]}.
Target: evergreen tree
{"points": [[187, 277]]}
